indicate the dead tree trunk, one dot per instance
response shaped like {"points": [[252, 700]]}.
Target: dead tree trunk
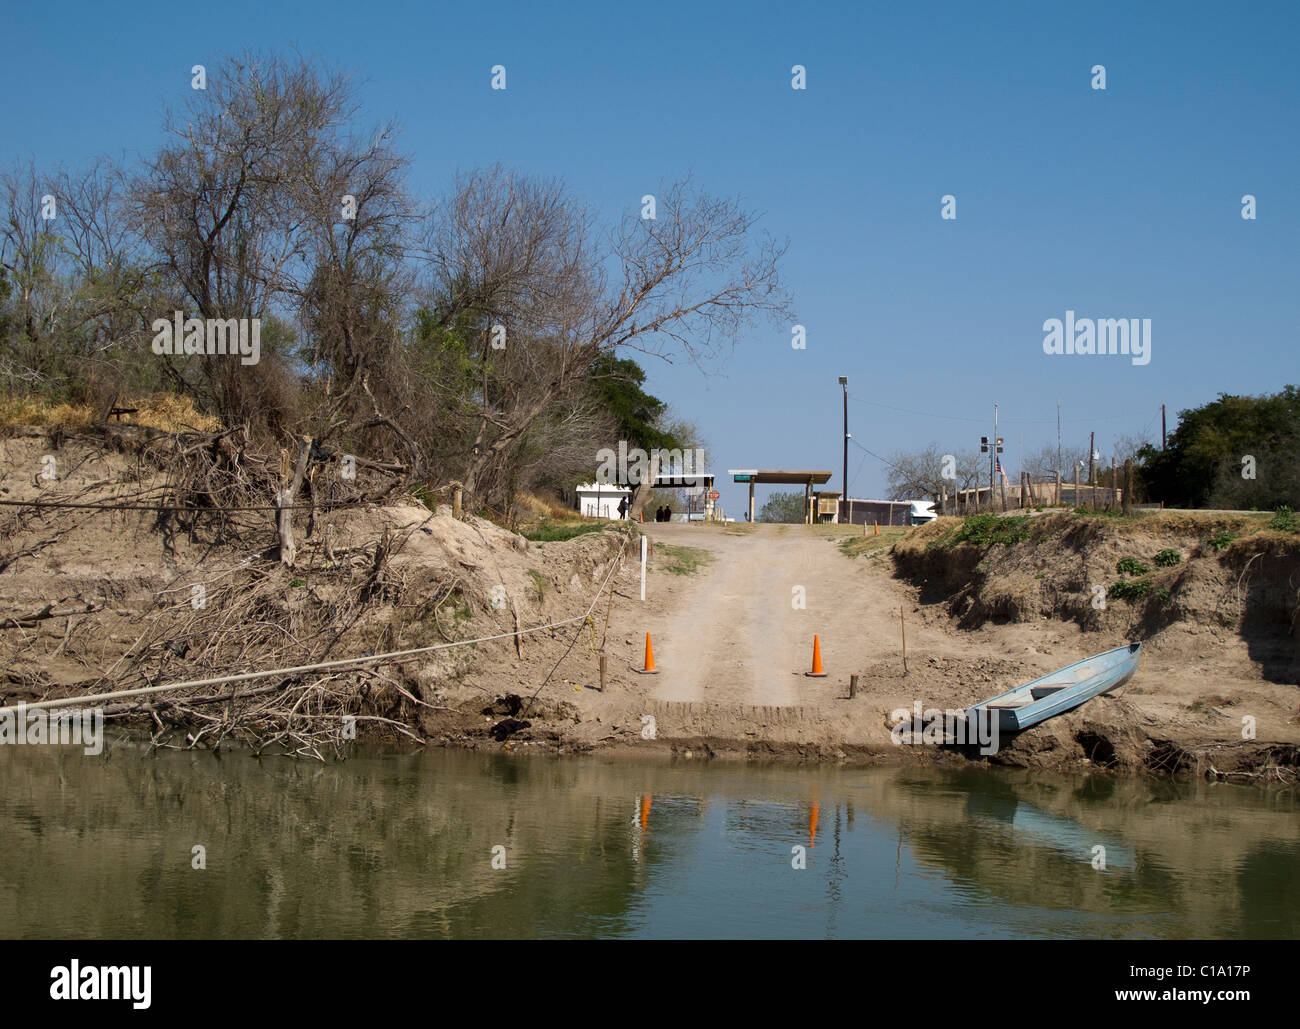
{"points": [[642, 495], [284, 501]]}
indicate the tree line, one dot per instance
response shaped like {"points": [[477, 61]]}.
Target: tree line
{"points": [[1235, 452], [482, 336]]}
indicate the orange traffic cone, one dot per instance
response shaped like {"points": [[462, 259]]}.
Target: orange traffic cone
{"points": [[816, 672], [649, 668]]}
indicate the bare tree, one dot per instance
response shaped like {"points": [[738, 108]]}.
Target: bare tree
{"points": [[220, 205], [511, 251], [920, 473], [1043, 463], [36, 298], [76, 291], [353, 305]]}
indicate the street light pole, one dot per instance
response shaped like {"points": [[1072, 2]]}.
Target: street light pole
{"points": [[844, 382]]}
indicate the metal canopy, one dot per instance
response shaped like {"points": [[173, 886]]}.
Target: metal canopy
{"points": [[783, 477]]}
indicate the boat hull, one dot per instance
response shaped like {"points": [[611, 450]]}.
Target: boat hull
{"points": [[1060, 691]]}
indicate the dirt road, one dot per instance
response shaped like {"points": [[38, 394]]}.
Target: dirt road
{"points": [[733, 638], [742, 629]]}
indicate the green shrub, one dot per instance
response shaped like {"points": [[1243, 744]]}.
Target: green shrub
{"points": [[1285, 519], [1168, 557], [1220, 540], [1131, 566], [985, 530], [1130, 589]]}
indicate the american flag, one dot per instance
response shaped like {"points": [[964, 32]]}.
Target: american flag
{"points": [[1002, 471]]}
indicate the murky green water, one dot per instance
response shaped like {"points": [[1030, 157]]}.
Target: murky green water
{"points": [[402, 845]]}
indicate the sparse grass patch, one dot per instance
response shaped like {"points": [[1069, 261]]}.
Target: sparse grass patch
{"points": [[1168, 557], [857, 546], [681, 560], [539, 583], [1102, 512], [1131, 566], [547, 530]]}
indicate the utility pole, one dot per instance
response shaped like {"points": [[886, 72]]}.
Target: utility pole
{"points": [[994, 447], [1092, 441], [993, 455], [1162, 426], [844, 382]]}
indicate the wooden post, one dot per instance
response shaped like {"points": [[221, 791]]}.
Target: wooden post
{"points": [[1128, 486], [457, 501], [602, 673], [1077, 501], [1114, 486], [1092, 449], [1058, 488], [903, 626], [853, 686]]}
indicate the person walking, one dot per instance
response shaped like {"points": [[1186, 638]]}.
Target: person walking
{"points": [[622, 508]]}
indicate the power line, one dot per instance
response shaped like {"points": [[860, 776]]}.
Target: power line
{"points": [[879, 458], [981, 421]]}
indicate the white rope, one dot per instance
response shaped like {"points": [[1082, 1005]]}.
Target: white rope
{"points": [[346, 662]]}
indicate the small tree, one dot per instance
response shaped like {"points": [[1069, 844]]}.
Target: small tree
{"points": [[783, 506]]}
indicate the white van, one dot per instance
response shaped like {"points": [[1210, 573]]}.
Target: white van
{"points": [[921, 511]]}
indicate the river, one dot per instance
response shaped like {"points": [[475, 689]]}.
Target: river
{"points": [[390, 844]]}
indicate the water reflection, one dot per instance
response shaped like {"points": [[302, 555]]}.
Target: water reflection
{"points": [[403, 845]]}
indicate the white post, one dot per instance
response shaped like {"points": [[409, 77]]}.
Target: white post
{"points": [[643, 539]]}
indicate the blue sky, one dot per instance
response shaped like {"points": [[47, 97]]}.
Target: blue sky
{"points": [[1115, 204]]}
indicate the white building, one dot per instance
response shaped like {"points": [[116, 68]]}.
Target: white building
{"points": [[597, 500]]}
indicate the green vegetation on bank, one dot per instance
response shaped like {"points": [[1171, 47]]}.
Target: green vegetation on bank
{"points": [[985, 530]]}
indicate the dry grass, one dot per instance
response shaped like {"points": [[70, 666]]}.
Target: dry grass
{"points": [[164, 411], [532, 507], [857, 545]]}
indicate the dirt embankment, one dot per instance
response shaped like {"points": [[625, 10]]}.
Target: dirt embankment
{"points": [[92, 601], [1213, 598]]}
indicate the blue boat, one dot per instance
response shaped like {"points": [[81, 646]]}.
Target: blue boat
{"points": [[1060, 691]]}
